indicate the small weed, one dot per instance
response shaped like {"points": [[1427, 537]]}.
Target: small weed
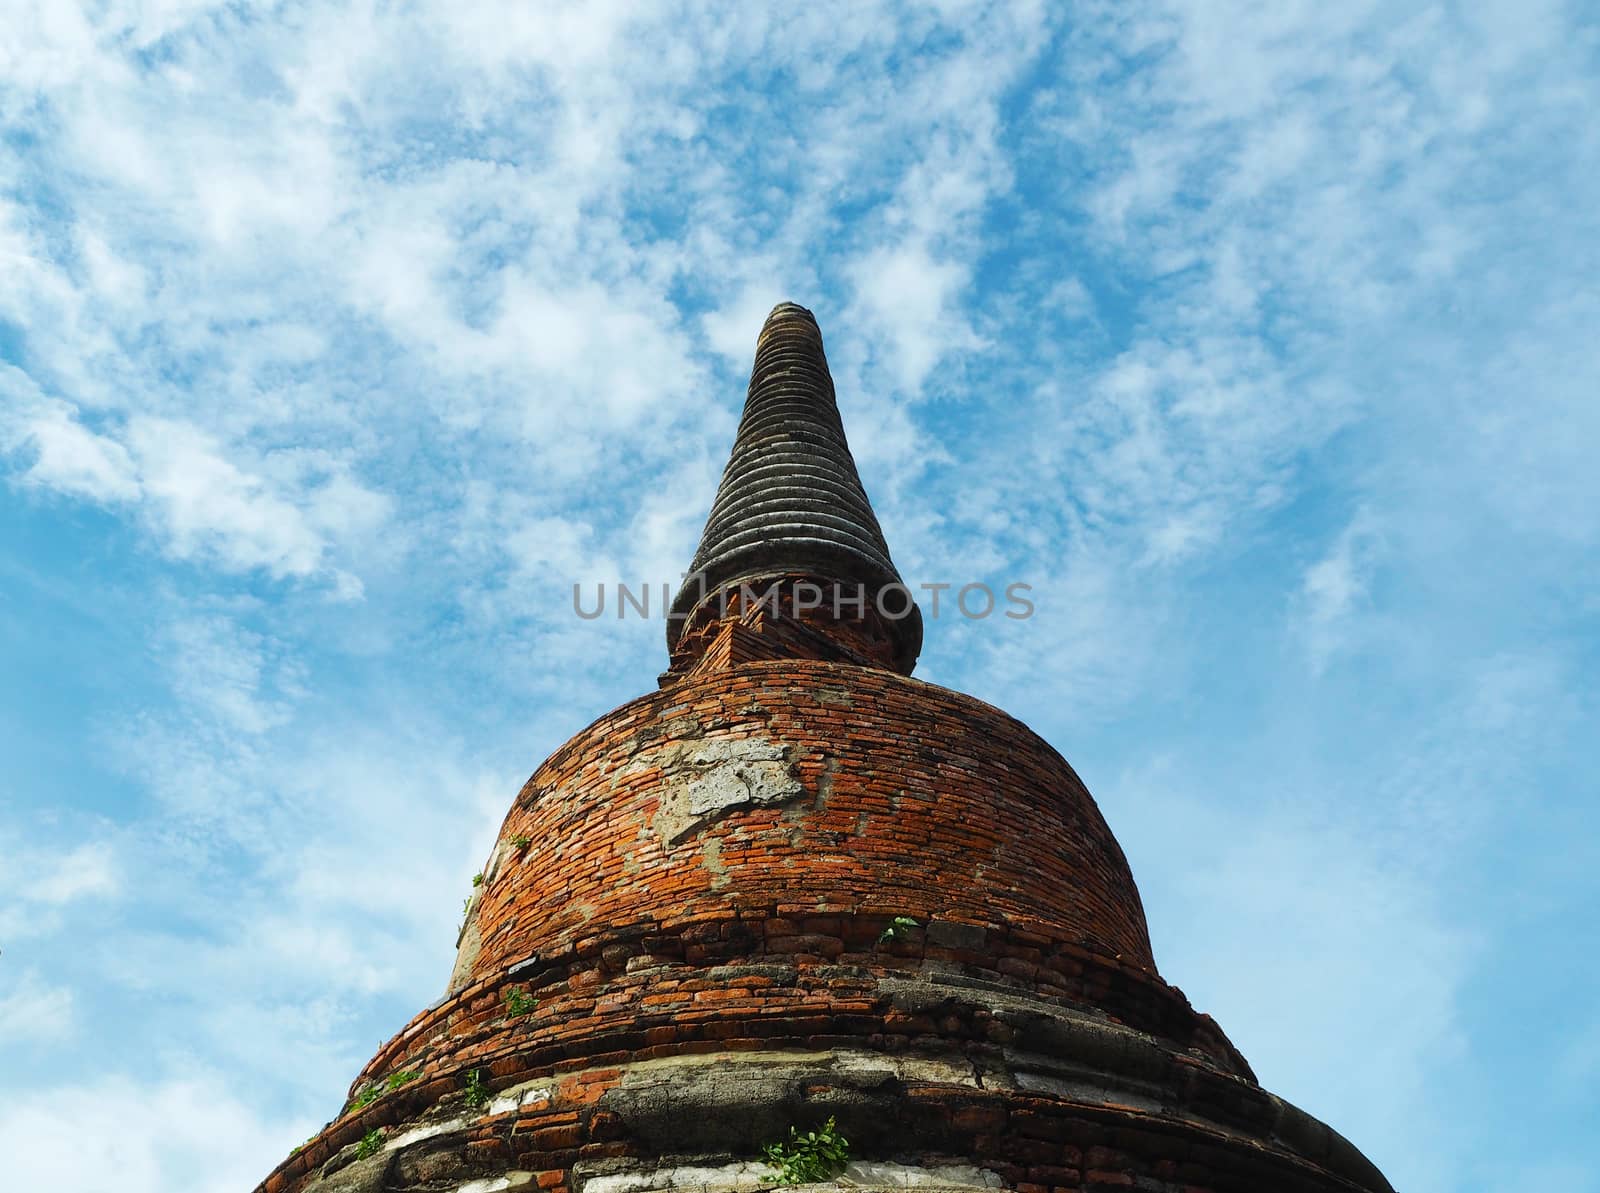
{"points": [[805, 1159], [477, 879], [370, 1143], [521, 842], [519, 1001], [477, 1091], [466, 905], [396, 1080], [898, 928], [367, 1097]]}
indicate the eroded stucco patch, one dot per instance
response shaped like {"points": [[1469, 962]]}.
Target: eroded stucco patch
{"points": [[703, 780]]}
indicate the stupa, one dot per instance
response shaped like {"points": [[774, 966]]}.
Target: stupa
{"points": [[797, 917]]}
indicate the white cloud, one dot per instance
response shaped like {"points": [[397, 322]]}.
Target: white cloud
{"points": [[417, 304], [910, 298], [727, 328], [1092, 617], [87, 870], [43, 886], [117, 1134], [1071, 298], [1335, 589], [33, 1013], [198, 493], [219, 669], [208, 505], [54, 878], [110, 275], [75, 460]]}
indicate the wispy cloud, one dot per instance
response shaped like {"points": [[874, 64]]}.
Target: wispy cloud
{"points": [[39, 881], [33, 1013], [117, 1133], [1335, 588], [336, 343]]}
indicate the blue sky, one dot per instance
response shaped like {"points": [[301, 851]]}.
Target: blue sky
{"points": [[338, 341]]}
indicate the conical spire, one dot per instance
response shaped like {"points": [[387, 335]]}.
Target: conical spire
{"points": [[790, 502]]}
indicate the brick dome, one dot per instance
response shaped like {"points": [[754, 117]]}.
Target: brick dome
{"points": [[792, 886], [804, 784]]}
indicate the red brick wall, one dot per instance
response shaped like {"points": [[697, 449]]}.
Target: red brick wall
{"points": [[916, 801], [642, 929]]}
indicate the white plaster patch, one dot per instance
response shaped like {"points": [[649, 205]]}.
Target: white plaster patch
{"points": [[418, 1134], [748, 1175], [704, 779], [910, 1068], [845, 1060], [511, 1180], [648, 1070], [869, 1173], [518, 1095]]}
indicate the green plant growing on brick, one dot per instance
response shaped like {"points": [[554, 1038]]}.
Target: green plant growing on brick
{"points": [[404, 1077], [367, 1097], [521, 841], [466, 905], [898, 929], [370, 1143], [818, 1155], [477, 879], [519, 1002], [477, 1091]]}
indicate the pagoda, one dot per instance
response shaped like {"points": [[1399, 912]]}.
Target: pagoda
{"points": [[796, 917]]}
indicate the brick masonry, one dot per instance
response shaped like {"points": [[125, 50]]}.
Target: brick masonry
{"points": [[867, 794], [680, 949]]}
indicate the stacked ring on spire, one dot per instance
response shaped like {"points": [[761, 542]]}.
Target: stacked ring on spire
{"points": [[791, 501]]}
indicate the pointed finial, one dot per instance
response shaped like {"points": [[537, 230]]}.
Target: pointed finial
{"points": [[790, 502]]}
